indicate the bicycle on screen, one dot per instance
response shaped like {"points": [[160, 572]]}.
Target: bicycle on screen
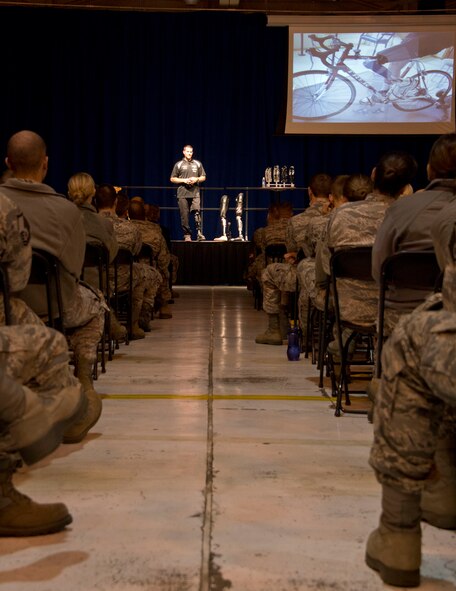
{"points": [[319, 94]]}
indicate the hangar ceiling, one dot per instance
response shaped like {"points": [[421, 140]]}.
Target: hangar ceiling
{"points": [[269, 7]]}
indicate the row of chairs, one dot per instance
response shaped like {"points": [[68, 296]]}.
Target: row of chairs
{"points": [[408, 269], [45, 273], [273, 253]]}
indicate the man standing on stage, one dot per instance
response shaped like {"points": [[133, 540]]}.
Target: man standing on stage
{"points": [[188, 173]]}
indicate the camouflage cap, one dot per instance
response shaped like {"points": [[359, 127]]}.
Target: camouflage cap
{"points": [[15, 248]]}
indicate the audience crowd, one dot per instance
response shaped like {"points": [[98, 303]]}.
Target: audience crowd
{"points": [[47, 375], [413, 401]]}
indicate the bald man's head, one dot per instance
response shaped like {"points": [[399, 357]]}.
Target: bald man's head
{"points": [[26, 155]]}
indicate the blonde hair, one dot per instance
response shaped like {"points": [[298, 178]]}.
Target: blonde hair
{"points": [[81, 187]]}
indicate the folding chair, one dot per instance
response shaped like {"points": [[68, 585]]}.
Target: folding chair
{"points": [[351, 263], [97, 259], [122, 301], [274, 253], [146, 254], [256, 286], [45, 272], [416, 269], [326, 323]]}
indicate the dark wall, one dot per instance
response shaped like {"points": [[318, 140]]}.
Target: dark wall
{"points": [[118, 94]]}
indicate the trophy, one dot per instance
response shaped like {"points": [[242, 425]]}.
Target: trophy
{"points": [[284, 175], [291, 175], [276, 174], [268, 176]]}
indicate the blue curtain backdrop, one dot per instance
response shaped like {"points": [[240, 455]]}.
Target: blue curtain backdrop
{"points": [[118, 94]]}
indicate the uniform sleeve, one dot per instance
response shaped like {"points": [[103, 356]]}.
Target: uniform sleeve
{"points": [[321, 276], [443, 233], [384, 245], [290, 240], [73, 244]]}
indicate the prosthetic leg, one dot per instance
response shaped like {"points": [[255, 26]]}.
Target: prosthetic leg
{"points": [[199, 234], [224, 202], [239, 212]]}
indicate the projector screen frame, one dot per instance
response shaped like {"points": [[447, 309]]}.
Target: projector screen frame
{"points": [[355, 25]]}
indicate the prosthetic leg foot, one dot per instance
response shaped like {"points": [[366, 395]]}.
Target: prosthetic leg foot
{"points": [[224, 202]]}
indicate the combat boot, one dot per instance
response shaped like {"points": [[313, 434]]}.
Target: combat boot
{"points": [[146, 318], [136, 331], [19, 515], [79, 429], [438, 499], [38, 428], [165, 312], [272, 336], [394, 548], [117, 332]]}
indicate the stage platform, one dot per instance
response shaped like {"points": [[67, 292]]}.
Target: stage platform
{"points": [[211, 263]]}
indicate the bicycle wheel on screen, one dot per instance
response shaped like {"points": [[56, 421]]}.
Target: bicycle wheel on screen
{"points": [[318, 94], [431, 87]]}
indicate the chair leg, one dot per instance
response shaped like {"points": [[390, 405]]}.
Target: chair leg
{"points": [[323, 340], [309, 328]]}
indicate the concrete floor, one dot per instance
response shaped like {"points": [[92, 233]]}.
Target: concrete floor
{"points": [[217, 464]]}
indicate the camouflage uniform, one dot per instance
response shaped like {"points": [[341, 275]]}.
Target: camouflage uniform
{"points": [[174, 259], [416, 402], [174, 267], [315, 232], [33, 357], [84, 339], [151, 234], [350, 225], [146, 280], [282, 277], [306, 268], [99, 230], [56, 227], [36, 358], [297, 225], [307, 287], [274, 233], [16, 253], [256, 267]]}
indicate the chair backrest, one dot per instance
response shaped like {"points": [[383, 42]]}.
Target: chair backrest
{"points": [[4, 287], [146, 252], [349, 263], [274, 253], [45, 272], [412, 269], [97, 258], [353, 263]]}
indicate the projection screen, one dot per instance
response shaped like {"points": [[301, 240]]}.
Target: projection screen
{"points": [[390, 75]]}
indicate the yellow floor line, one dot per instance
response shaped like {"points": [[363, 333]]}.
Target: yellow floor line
{"points": [[205, 397]]}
